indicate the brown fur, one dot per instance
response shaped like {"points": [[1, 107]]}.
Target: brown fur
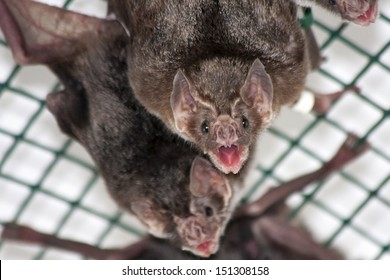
{"points": [[214, 43]]}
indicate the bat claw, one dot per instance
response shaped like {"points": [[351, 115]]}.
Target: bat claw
{"points": [[350, 141], [352, 147]]}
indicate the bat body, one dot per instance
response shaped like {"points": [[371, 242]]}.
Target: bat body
{"points": [[258, 230], [215, 72], [148, 170], [361, 12]]}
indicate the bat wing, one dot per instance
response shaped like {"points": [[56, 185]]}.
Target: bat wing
{"points": [[352, 148], [39, 33], [43, 34], [148, 248], [285, 241], [26, 234]]}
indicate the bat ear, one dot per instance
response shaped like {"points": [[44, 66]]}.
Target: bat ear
{"points": [[69, 110], [38, 33], [151, 215], [205, 180], [257, 91], [182, 102]]}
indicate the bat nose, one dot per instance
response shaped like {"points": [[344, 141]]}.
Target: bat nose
{"points": [[197, 231], [203, 229], [226, 132]]}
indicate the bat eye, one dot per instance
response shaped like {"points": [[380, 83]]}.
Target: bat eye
{"points": [[205, 127], [208, 211], [245, 122], [332, 2]]}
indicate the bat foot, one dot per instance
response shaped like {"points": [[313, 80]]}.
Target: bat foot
{"points": [[352, 147], [323, 102]]}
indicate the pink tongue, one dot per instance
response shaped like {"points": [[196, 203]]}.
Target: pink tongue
{"points": [[204, 247], [229, 155], [367, 15]]}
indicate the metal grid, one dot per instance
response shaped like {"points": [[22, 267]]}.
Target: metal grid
{"points": [[47, 181]]}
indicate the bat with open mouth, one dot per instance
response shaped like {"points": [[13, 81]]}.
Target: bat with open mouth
{"points": [[215, 72], [150, 172], [257, 231]]}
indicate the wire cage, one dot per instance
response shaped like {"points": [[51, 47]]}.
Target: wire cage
{"points": [[49, 182]]}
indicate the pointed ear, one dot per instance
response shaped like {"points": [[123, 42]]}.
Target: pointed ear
{"points": [[257, 92], [151, 215], [205, 180], [183, 104], [38, 33]]}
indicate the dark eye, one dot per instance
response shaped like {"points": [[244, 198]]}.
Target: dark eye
{"points": [[205, 127], [208, 211], [332, 2], [245, 122]]}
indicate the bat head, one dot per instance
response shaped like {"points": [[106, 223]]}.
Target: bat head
{"points": [[223, 114], [200, 228], [361, 12], [209, 208]]}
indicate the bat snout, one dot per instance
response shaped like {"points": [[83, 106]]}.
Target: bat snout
{"points": [[226, 135], [202, 230], [204, 238], [362, 12], [226, 131]]}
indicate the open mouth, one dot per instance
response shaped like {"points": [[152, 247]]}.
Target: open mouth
{"points": [[205, 249], [368, 17], [230, 156]]}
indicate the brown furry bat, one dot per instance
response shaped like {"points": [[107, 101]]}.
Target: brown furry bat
{"points": [[258, 230], [215, 72]]}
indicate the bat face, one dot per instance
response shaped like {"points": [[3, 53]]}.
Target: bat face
{"points": [[362, 12], [222, 113], [199, 227], [209, 208], [200, 233]]}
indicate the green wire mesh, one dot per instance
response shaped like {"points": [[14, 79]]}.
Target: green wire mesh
{"points": [[48, 181]]}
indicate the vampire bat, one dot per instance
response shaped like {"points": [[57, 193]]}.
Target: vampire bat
{"points": [[148, 170], [215, 72], [258, 230], [361, 12]]}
